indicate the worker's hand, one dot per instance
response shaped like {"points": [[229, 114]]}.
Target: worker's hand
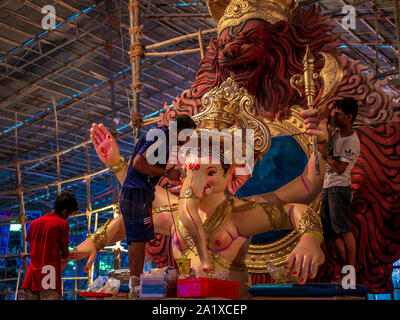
{"points": [[105, 144], [174, 174]]}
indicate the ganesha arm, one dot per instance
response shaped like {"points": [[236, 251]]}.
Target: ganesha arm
{"points": [[260, 216], [114, 230], [303, 189], [110, 232], [304, 260]]}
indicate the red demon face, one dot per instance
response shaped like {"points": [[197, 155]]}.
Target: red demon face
{"points": [[242, 52]]}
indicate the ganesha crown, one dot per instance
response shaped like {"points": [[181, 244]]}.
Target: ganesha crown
{"points": [[229, 108]]}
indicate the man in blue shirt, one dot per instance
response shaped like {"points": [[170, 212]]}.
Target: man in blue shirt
{"points": [[146, 166]]}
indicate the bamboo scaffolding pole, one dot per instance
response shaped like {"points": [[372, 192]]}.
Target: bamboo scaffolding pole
{"points": [[171, 53], [58, 148], [201, 44], [17, 285], [20, 255], [135, 53], [88, 202], [179, 39], [8, 279], [20, 195]]}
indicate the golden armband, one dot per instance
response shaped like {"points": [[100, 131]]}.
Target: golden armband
{"points": [[310, 222], [277, 216], [99, 237]]}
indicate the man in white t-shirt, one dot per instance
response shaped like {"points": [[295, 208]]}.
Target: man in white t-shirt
{"points": [[337, 195]]}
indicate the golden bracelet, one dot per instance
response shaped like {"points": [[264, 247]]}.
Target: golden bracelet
{"points": [[99, 237], [73, 253], [118, 166], [310, 222], [122, 167]]}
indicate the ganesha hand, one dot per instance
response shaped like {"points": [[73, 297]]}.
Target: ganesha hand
{"points": [[105, 144], [305, 259], [315, 124], [87, 250]]}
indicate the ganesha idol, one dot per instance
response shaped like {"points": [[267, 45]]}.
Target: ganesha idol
{"points": [[207, 223]]}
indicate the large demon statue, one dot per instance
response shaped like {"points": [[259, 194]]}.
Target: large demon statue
{"points": [[261, 54]]}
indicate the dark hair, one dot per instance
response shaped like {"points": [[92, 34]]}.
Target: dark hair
{"points": [[65, 200], [348, 106], [183, 121]]}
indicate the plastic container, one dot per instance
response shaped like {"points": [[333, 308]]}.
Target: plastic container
{"points": [[206, 287], [153, 286]]}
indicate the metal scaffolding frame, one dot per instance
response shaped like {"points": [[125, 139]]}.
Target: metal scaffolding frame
{"points": [[19, 191], [49, 105]]}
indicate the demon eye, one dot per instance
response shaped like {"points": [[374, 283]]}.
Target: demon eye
{"points": [[251, 36]]}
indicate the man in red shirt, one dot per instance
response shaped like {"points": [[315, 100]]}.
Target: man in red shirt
{"points": [[48, 237]]}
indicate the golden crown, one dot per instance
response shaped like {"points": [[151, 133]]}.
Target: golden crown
{"points": [[230, 108], [233, 12]]}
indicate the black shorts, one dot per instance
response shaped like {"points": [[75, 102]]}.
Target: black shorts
{"points": [[136, 209], [335, 211]]}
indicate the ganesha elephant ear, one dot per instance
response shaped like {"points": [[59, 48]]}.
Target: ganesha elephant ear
{"points": [[240, 174]]}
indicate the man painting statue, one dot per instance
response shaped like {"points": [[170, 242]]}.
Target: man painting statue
{"points": [[337, 195]]}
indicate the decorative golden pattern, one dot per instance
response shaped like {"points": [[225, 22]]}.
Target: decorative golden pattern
{"points": [[167, 208], [331, 74], [226, 264], [310, 222], [99, 237], [273, 210], [231, 107], [211, 226], [248, 205], [214, 223], [232, 13]]}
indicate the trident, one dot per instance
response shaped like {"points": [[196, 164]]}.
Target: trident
{"points": [[331, 74]]}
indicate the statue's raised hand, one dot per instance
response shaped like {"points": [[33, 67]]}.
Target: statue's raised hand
{"points": [[105, 144], [316, 122]]}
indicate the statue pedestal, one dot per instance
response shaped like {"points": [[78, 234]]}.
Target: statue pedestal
{"points": [[312, 291]]}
